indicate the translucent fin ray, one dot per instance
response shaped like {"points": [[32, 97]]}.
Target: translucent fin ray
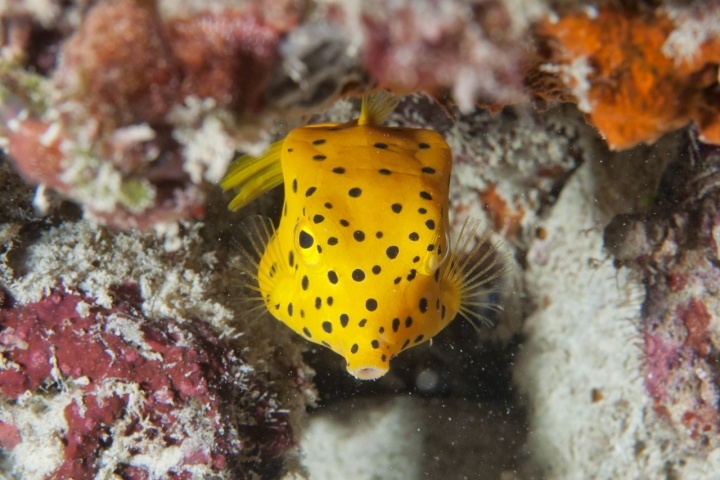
{"points": [[475, 274], [257, 233], [376, 107], [253, 176]]}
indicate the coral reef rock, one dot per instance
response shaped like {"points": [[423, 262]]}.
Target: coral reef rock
{"points": [[620, 66], [103, 391]]}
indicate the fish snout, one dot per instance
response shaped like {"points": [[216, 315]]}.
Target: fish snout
{"points": [[367, 372]]}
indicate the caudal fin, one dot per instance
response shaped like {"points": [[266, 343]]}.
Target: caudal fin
{"points": [[250, 176]]}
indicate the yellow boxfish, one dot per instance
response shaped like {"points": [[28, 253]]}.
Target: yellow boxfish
{"points": [[360, 261]]}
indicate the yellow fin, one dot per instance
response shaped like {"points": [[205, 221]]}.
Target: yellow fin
{"points": [[376, 107], [253, 176], [475, 275]]}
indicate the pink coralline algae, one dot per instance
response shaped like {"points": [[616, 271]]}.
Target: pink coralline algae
{"points": [[473, 48], [138, 387], [120, 64], [676, 248], [232, 63]]}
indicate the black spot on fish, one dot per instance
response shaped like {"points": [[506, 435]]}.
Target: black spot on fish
{"points": [[355, 192], [395, 324], [290, 309], [332, 276], [419, 338], [362, 322], [338, 170], [416, 259], [319, 141], [408, 322], [332, 241], [431, 247], [358, 275], [344, 222], [422, 211], [354, 348], [429, 170], [405, 344], [330, 301], [327, 326], [294, 185], [381, 145], [397, 280], [411, 275], [423, 305], [328, 205], [318, 218], [291, 258], [414, 236], [310, 191], [319, 158], [376, 269], [305, 282], [375, 344], [344, 319], [396, 207], [430, 224], [442, 312], [359, 235], [318, 302], [423, 146], [384, 171], [378, 235], [307, 332], [392, 252], [425, 195], [371, 304]]}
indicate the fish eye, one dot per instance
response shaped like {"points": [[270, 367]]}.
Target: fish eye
{"points": [[305, 244]]}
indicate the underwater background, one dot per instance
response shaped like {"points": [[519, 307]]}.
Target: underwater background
{"points": [[585, 138]]}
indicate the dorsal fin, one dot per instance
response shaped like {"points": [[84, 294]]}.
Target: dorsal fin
{"points": [[376, 107]]}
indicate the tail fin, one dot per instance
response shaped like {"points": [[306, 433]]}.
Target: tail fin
{"points": [[250, 176]]}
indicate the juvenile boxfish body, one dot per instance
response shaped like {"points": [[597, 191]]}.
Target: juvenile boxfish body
{"points": [[360, 261]]}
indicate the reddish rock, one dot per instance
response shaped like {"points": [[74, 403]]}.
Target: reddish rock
{"points": [[34, 146], [674, 247], [226, 55], [120, 65], [187, 379]]}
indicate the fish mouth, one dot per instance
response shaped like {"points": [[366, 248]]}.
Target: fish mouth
{"points": [[368, 373]]}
